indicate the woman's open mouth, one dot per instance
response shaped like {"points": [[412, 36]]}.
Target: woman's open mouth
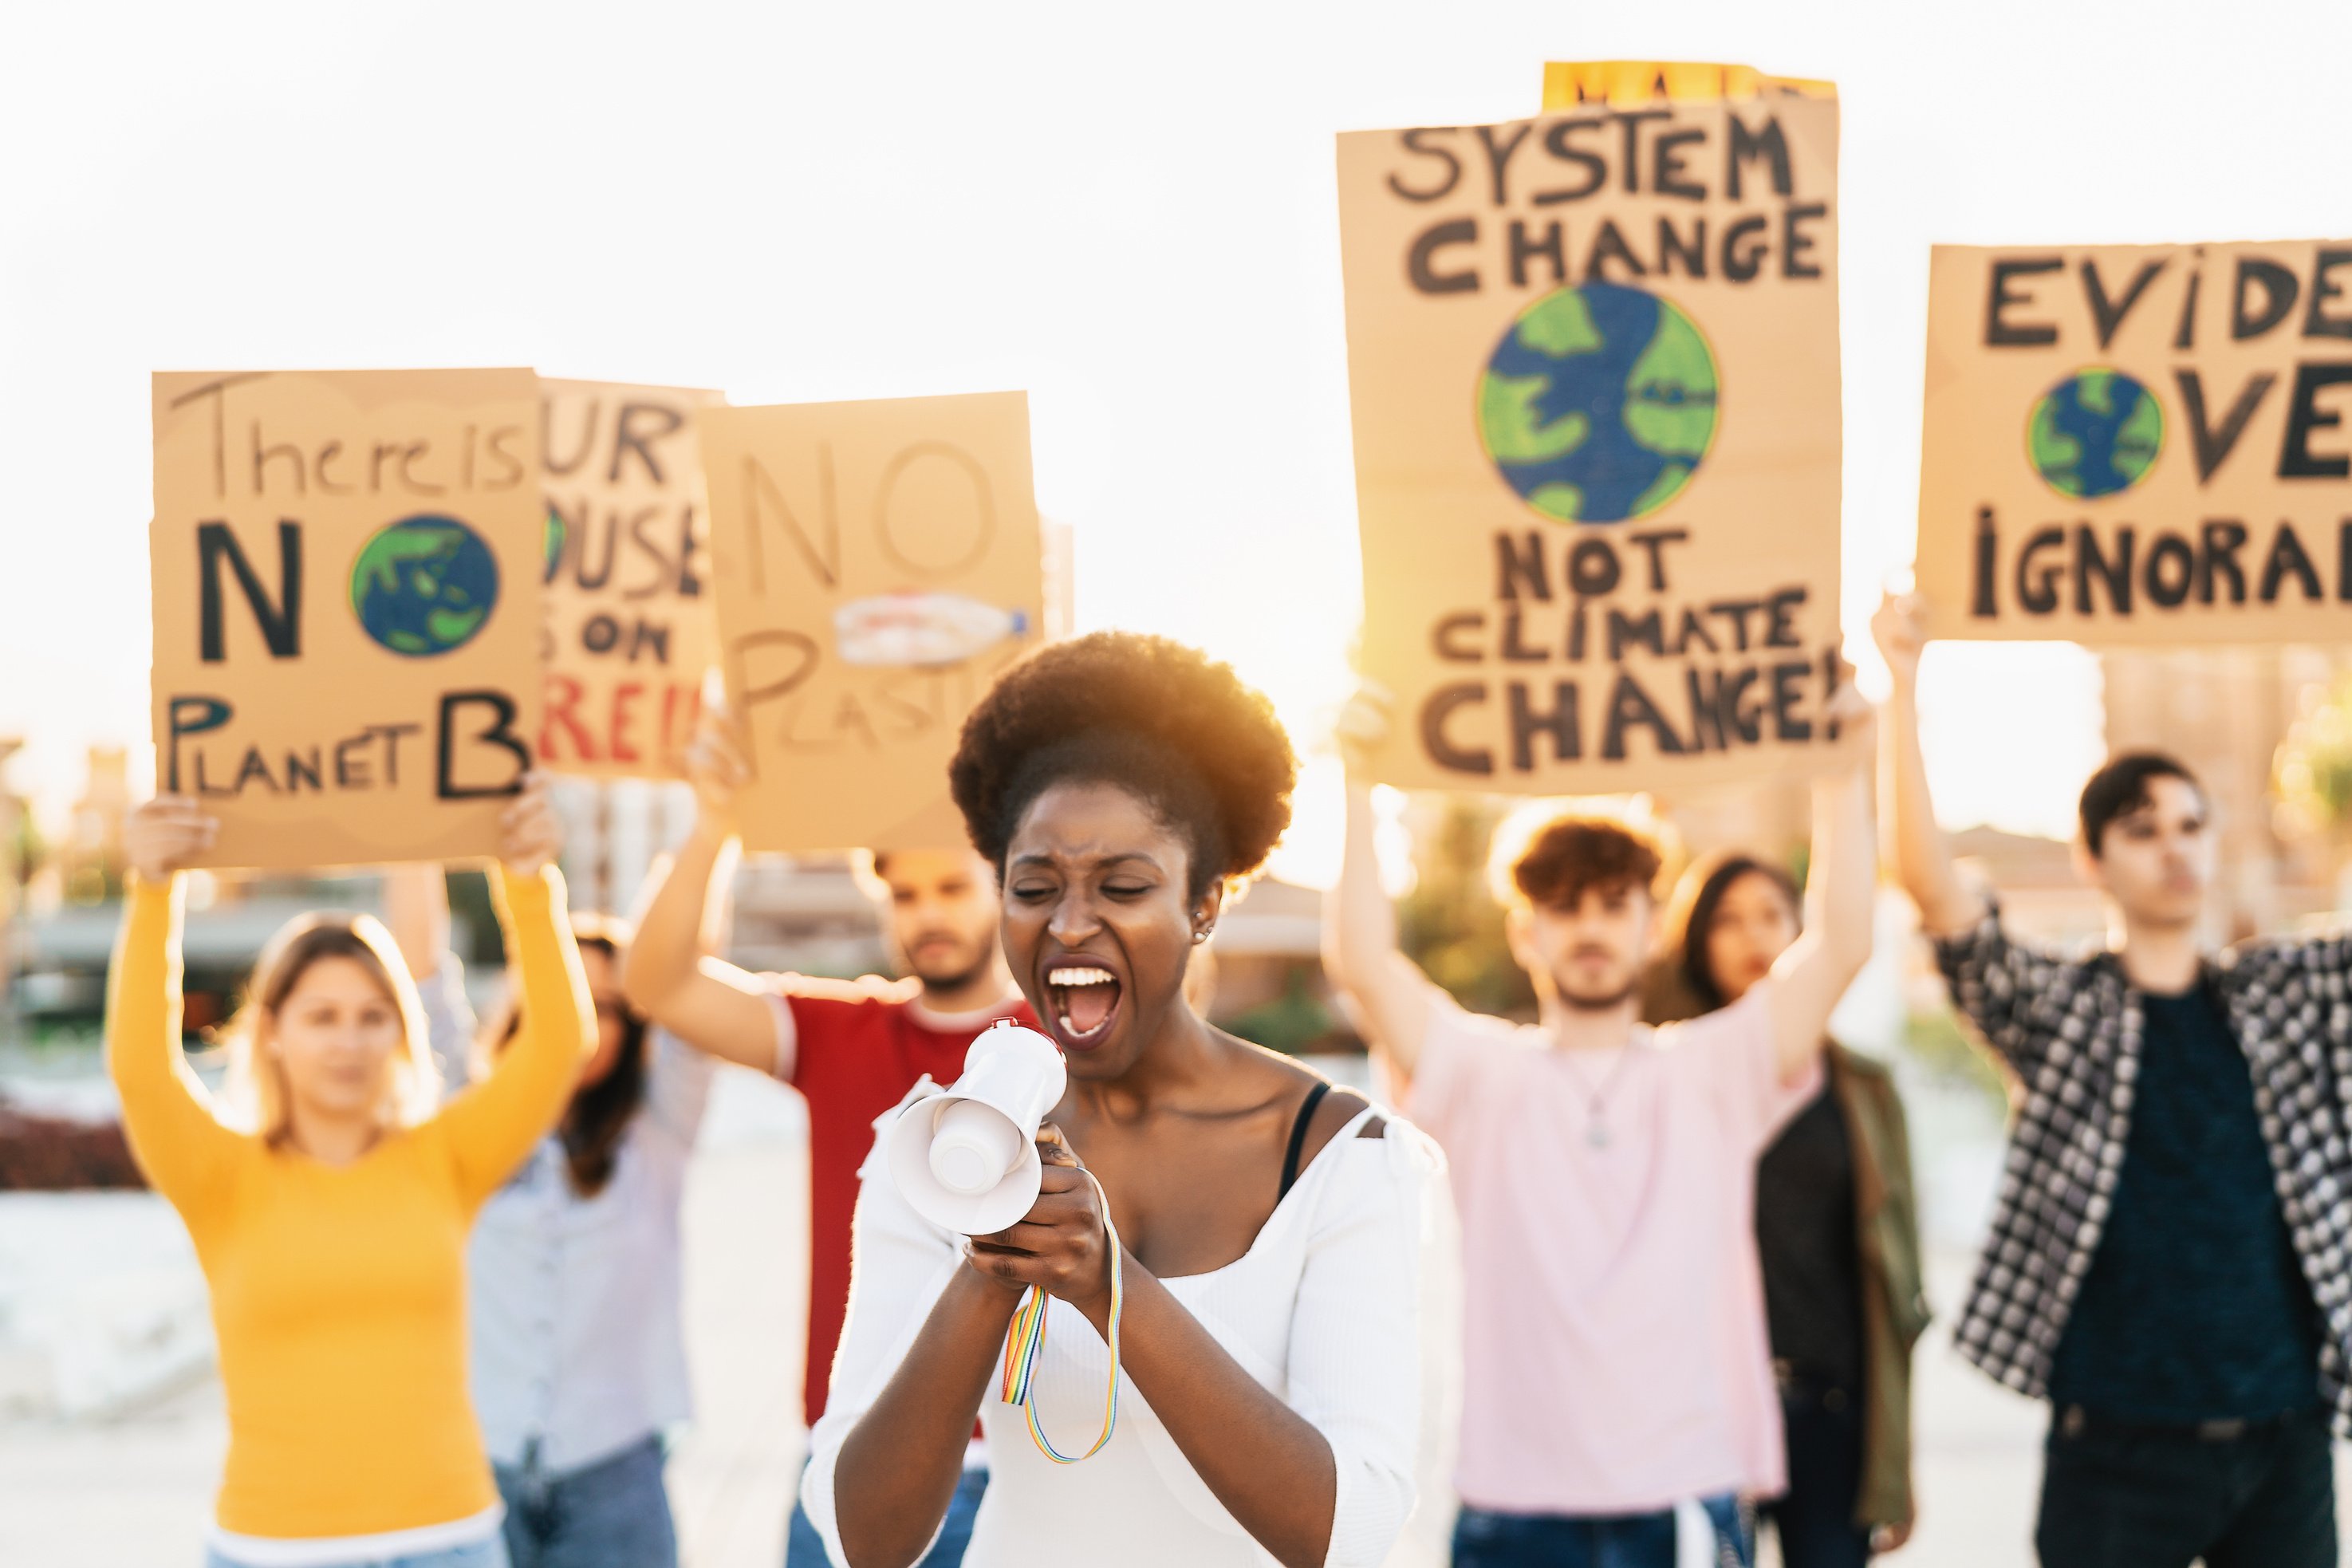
{"points": [[1081, 1005]]}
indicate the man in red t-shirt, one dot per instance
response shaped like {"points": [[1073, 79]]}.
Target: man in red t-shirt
{"points": [[853, 1048]]}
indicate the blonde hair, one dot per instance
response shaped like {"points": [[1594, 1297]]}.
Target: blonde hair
{"points": [[255, 1088]]}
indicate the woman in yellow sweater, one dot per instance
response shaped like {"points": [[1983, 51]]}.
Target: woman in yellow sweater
{"points": [[330, 1203]]}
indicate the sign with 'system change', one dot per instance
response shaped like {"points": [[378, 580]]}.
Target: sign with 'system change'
{"points": [[1593, 360], [630, 629], [346, 601], [2140, 444], [877, 564]]}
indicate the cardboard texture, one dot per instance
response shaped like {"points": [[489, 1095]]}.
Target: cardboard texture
{"points": [[1569, 83], [346, 590], [1593, 362], [630, 629], [877, 564], [2138, 444]]}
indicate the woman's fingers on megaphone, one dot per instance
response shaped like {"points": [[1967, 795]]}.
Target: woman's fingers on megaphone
{"points": [[1054, 1149]]}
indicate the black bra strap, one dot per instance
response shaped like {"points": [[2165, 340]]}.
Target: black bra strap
{"points": [[1299, 1139]]}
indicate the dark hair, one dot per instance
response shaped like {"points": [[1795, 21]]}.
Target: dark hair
{"points": [[1571, 855], [1696, 898], [2121, 788], [1179, 732], [599, 1115]]}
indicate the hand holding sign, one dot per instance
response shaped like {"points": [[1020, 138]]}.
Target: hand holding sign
{"points": [[530, 836], [716, 768], [1362, 728], [1899, 628], [167, 835]]}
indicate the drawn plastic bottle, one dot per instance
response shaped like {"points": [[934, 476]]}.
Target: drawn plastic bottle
{"points": [[921, 628]]}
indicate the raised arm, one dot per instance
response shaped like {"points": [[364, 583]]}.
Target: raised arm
{"points": [[1391, 995], [180, 1143], [670, 975], [1923, 859], [490, 1126], [416, 911], [1840, 898]]}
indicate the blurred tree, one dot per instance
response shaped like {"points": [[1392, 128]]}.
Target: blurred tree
{"points": [[1450, 923], [1294, 1023], [2313, 770]]}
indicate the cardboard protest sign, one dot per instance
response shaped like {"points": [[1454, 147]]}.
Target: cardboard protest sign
{"points": [[346, 608], [1594, 367], [629, 625], [2140, 444], [1569, 83], [877, 564]]}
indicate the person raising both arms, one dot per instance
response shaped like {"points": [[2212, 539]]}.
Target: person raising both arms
{"points": [[1618, 1399], [329, 1200], [2171, 1259], [578, 1347], [852, 1048], [1267, 1228], [1836, 1226]]}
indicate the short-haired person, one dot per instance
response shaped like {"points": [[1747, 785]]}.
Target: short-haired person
{"points": [[1617, 1387], [576, 1271], [2170, 1260], [852, 1048], [1836, 1226], [329, 1201], [1268, 1230]]}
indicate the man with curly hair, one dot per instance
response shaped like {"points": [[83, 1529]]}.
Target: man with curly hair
{"points": [[852, 1048], [1618, 1396]]}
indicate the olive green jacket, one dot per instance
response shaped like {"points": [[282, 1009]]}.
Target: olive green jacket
{"points": [[1893, 1304]]}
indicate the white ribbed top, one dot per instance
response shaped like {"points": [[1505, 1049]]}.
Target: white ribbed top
{"points": [[1324, 1311]]}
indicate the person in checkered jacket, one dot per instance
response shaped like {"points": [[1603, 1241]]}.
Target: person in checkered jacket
{"points": [[2171, 1259]]}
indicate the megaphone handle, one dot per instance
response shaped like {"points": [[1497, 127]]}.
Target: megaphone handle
{"points": [[1024, 1346]]}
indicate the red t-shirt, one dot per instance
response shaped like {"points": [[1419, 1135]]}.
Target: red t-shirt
{"points": [[856, 1047]]}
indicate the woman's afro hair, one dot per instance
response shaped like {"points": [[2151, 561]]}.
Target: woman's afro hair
{"points": [[1154, 717]]}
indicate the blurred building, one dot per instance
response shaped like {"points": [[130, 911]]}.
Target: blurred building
{"points": [[89, 856], [2224, 713]]}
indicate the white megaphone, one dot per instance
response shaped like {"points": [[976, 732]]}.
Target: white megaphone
{"points": [[966, 1157]]}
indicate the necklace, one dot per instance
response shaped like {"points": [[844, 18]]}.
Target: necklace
{"points": [[1596, 1095]]}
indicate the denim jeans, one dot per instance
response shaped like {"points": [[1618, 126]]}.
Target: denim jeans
{"points": [[613, 1513], [2137, 1497], [1486, 1540], [1814, 1519], [804, 1548], [490, 1553]]}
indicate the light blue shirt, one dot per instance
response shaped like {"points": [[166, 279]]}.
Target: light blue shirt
{"points": [[578, 1341]]}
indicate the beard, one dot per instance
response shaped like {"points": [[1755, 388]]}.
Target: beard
{"points": [[1596, 1001], [950, 968]]}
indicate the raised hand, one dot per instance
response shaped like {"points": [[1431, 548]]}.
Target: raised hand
{"points": [[718, 768], [1900, 628], [1063, 1245], [166, 833], [1363, 725], [530, 837]]}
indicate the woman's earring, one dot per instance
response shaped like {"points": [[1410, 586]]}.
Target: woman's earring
{"points": [[1203, 936]]}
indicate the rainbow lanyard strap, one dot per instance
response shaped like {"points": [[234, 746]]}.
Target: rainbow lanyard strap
{"points": [[1024, 1347]]}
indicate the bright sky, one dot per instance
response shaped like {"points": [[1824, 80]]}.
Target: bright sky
{"points": [[1128, 211]]}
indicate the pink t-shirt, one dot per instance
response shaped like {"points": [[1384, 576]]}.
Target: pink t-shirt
{"points": [[1615, 1359]]}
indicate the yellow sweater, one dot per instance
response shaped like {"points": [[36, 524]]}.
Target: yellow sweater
{"points": [[339, 1292]]}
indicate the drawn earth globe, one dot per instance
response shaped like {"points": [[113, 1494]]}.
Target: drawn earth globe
{"points": [[424, 585], [1598, 404], [2094, 434]]}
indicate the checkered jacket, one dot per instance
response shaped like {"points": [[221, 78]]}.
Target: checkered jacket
{"points": [[2071, 1030]]}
